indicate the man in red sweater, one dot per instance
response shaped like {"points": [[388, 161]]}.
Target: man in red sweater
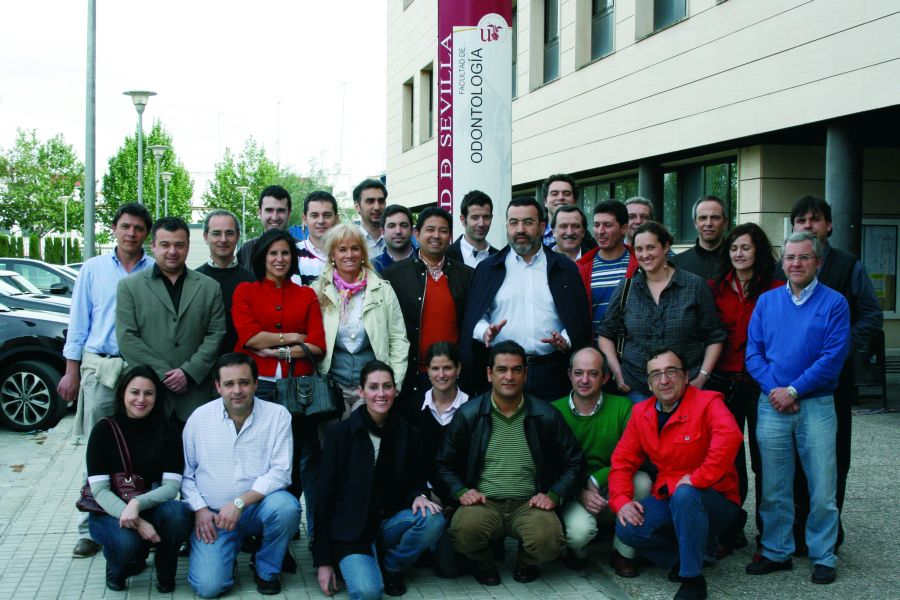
{"points": [[692, 438]]}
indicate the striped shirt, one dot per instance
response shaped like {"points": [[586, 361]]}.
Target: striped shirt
{"points": [[509, 471], [311, 263], [605, 276]]}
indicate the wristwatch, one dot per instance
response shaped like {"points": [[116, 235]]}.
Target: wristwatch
{"points": [[238, 503], [793, 392]]}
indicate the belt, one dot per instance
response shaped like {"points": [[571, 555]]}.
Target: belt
{"points": [[536, 359], [105, 355]]}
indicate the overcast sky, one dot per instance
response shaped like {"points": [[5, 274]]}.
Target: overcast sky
{"points": [[219, 69]]}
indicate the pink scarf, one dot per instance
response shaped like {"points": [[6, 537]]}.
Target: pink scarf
{"points": [[348, 290]]}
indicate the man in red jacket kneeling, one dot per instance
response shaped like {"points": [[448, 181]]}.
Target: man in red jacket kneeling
{"points": [[692, 438]]}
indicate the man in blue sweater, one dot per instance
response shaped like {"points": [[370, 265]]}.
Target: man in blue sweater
{"points": [[796, 345]]}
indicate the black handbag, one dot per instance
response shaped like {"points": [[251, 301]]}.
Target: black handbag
{"points": [[620, 337], [316, 396], [125, 485]]}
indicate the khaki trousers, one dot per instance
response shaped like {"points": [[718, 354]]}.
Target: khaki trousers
{"points": [[475, 528]]}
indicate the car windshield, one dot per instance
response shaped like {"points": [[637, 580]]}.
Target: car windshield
{"points": [[15, 285]]}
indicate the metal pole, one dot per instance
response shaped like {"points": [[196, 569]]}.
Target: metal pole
{"points": [[66, 229], [90, 130], [167, 198], [158, 158], [140, 156]]}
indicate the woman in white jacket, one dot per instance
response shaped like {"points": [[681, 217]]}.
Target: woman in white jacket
{"points": [[360, 312]]}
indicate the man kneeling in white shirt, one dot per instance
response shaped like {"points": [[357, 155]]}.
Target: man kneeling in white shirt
{"points": [[237, 453]]}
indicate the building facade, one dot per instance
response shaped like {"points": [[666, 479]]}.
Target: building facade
{"points": [[756, 101]]}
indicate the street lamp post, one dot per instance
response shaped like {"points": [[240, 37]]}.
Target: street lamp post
{"points": [[140, 99], [166, 177], [158, 152], [65, 203], [243, 189]]}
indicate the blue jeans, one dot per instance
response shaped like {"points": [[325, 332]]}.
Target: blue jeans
{"points": [[402, 539], [811, 433], [685, 527], [276, 518], [122, 547]]}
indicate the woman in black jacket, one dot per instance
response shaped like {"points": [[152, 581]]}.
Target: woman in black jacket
{"points": [[372, 499], [154, 517]]}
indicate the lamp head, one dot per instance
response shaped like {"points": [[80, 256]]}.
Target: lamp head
{"points": [[140, 98], [166, 176], [243, 189], [158, 150]]}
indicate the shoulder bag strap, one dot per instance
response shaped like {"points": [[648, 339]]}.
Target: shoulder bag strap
{"points": [[310, 356], [124, 455]]}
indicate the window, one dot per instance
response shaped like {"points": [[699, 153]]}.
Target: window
{"points": [[551, 40], [596, 192], [602, 26], [426, 103], [515, 50], [407, 116], [667, 12], [683, 185]]}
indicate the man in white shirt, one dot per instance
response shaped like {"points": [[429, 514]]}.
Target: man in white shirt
{"points": [[476, 214], [237, 454], [369, 199], [528, 295]]}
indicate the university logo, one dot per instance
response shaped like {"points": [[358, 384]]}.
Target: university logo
{"points": [[492, 27]]}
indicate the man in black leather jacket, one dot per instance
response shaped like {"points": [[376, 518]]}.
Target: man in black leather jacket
{"points": [[510, 461]]}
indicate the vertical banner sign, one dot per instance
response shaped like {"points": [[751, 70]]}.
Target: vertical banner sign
{"points": [[474, 101]]}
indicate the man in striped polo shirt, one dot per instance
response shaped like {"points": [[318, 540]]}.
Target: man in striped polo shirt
{"points": [[604, 267], [511, 461]]}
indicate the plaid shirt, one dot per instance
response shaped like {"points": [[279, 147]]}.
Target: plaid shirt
{"points": [[685, 319]]}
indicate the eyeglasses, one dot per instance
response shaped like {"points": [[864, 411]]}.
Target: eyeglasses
{"points": [[803, 258], [525, 222], [670, 373]]}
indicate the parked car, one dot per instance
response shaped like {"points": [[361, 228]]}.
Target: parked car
{"points": [[58, 280], [31, 365], [18, 292], [75, 266]]}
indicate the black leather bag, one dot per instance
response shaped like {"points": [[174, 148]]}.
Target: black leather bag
{"points": [[314, 396], [125, 485]]}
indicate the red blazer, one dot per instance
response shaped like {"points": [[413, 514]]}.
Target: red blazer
{"points": [[701, 439], [260, 306], [585, 265]]}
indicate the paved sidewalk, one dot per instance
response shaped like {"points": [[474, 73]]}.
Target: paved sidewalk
{"points": [[40, 475]]}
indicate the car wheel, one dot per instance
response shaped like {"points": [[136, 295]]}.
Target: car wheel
{"points": [[28, 396]]}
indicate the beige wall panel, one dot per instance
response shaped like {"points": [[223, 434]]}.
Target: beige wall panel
{"points": [[881, 198], [750, 162], [798, 162], [749, 196], [779, 195]]}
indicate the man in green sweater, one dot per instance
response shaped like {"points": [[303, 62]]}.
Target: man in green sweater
{"points": [[597, 420]]}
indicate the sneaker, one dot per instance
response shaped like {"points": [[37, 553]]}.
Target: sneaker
{"points": [[764, 566], [823, 574]]}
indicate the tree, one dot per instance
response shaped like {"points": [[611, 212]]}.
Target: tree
{"points": [[254, 169], [120, 181], [33, 176]]}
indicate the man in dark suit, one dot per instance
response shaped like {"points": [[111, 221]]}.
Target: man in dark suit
{"points": [[476, 214], [531, 295], [172, 319]]}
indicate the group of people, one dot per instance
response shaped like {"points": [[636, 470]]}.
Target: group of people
{"points": [[564, 385]]}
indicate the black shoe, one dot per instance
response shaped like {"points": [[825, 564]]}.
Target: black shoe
{"points": [[267, 588], [185, 549], [486, 573], [288, 565], [393, 583], [525, 573], [85, 548], [674, 577], [823, 574], [764, 566], [165, 587], [692, 588]]}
